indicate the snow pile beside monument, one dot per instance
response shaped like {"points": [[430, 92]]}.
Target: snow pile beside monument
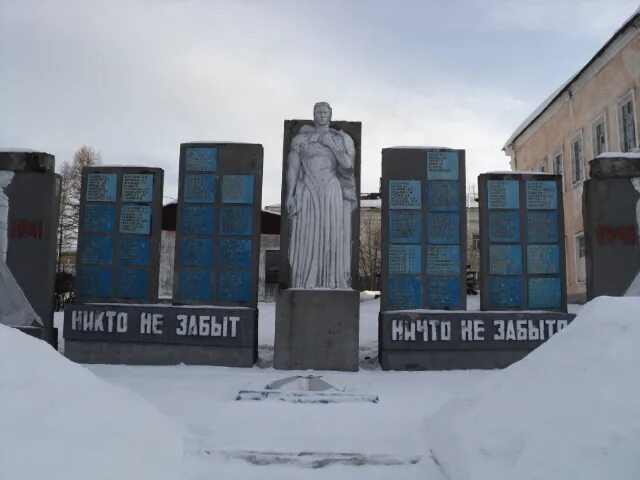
{"points": [[59, 421], [567, 410]]}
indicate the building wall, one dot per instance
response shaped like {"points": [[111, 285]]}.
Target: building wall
{"points": [[597, 92], [266, 291]]}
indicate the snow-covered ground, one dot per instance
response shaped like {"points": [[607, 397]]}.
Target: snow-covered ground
{"points": [[567, 411]]}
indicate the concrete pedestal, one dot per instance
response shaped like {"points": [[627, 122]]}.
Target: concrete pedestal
{"points": [[317, 329]]}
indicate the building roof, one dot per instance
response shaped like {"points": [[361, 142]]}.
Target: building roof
{"points": [[564, 87]]}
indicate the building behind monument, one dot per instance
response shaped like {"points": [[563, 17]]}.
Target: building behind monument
{"points": [[595, 111]]}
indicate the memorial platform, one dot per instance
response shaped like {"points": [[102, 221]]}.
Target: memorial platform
{"points": [[461, 340], [161, 334]]}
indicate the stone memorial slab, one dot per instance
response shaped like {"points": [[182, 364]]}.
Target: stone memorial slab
{"points": [[542, 195], [542, 227], [319, 243], [405, 259], [134, 251], [543, 259], [522, 258], [101, 187], [135, 219], [444, 196], [198, 220], [545, 293], [137, 187], [405, 194], [505, 259], [218, 222], [237, 189], [443, 228], [119, 235], [201, 159], [199, 188], [435, 227], [404, 292], [426, 340], [503, 194], [99, 218], [611, 213], [442, 165], [161, 334], [405, 226], [504, 227]]}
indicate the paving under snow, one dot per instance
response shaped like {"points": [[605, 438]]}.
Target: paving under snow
{"points": [[567, 411]]}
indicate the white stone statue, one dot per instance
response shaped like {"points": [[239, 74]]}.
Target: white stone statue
{"points": [[634, 288], [321, 195]]}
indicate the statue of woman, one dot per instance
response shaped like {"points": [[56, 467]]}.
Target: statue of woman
{"points": [[634, 288], [321, 195]]}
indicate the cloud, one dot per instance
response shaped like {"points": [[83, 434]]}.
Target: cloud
{"points": [[135, 79], [573, 18]]}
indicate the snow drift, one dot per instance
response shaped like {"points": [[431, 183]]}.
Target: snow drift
{"points": [[569, 410], [59, 421]]}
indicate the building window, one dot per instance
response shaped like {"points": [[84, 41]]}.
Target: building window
{"points": [[543, 165], [599, 137], [577, 159], [475, 239], [580, 259], [557, 163], [627, 118], [272, 266]]}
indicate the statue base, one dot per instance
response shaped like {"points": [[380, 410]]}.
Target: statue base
{"points": [[317, 329]]}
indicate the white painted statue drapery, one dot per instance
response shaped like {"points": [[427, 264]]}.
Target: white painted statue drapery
{"points": [[321, 196]]}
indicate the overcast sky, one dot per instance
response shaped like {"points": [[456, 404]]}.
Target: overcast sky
{"points": [[134, 79]]}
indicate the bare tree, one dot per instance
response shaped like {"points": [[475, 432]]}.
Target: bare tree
{"points": [[71, 172], [370, 248]]}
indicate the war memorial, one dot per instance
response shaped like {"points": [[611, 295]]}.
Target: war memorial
{"points": [[212, 318]]}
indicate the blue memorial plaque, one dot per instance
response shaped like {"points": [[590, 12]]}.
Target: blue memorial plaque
{"points": [[405, 259], [96, 250], [503, 194], [236, 220], [505, 259], [542, 195], [99, 218], [197, 219], [233, 286], [405, 226], [504, 227], [443, 195], [443, 228], [201, 159], [135, 219], [137, 187], [234, 253], [505, 292], [404, 194], [543, 259], [199, 188], [443, 292], [101, 187], [194, 286], [404, 292], [542, 227], [133, 251], [545, 293], [237, 189], [132, 282], [443, 260], [196, 252], [94, 282], [442, 165]]}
